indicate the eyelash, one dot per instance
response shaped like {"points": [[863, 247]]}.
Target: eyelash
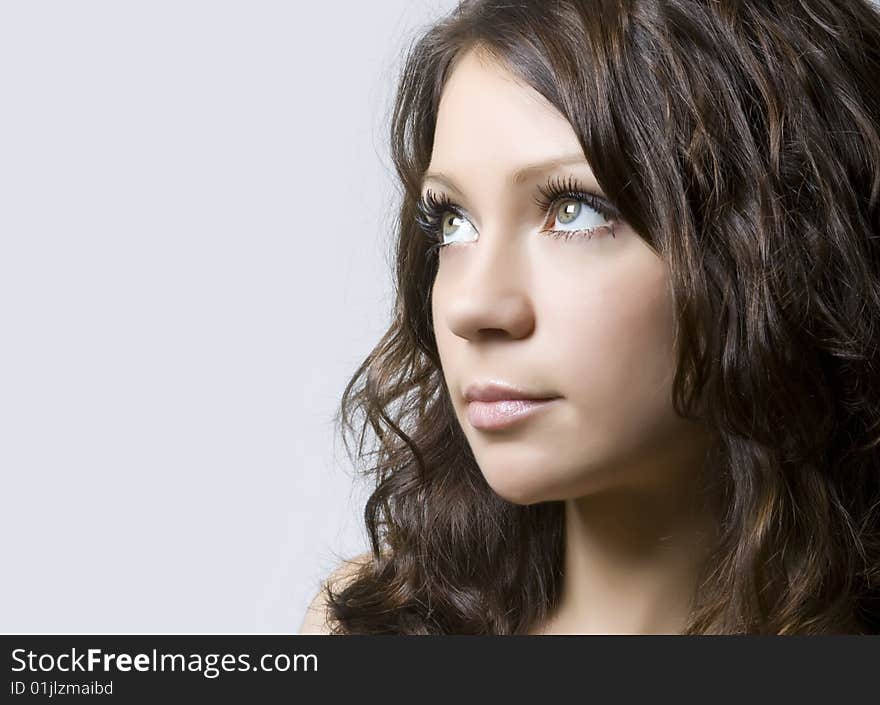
{"points": [[431, 208]]}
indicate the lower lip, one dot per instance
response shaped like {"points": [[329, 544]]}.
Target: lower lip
{"points": [[494, 415]]}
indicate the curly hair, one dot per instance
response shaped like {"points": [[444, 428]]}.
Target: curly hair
{"points": [[740, 140]]}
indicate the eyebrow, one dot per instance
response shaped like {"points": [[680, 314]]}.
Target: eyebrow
{"points": [[520, 175]]}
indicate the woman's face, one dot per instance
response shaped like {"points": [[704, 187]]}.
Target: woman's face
{"points": [[588, 321]]}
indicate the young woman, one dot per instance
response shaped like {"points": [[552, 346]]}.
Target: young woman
{"points": [[632, 383]]}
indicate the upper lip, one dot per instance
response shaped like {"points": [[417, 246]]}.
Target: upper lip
{"points": [[500, 391]]}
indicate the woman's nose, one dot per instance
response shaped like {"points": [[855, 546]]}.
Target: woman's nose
{"points": [[490, 295]]}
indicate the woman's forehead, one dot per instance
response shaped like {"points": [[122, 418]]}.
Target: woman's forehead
{"points": [[487, 118]]}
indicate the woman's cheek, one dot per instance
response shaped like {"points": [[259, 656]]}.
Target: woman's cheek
{"points": [[615, 336]]}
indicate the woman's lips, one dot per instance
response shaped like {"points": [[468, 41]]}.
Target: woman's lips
{"points": [[494, 415]]}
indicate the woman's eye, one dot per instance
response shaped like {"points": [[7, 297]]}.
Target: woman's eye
{"points": [[572, 214], [454, 226]]}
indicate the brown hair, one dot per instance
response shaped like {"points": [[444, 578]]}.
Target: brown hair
{"points": [[740, 140]]}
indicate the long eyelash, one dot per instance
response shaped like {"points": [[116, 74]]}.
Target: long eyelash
{"points": [[558, 189], [431, 208]]}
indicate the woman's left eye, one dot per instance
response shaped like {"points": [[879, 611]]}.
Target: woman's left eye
{"points": [[574, 214], [572, 211]]}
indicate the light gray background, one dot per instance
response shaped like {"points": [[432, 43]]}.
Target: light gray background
{"points": [[195, 210]]}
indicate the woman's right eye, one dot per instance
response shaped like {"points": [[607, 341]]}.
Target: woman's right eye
{"points": [[453, 225], [442, 221]]}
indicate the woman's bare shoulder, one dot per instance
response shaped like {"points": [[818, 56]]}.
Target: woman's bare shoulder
{"points": [[316, 620]]}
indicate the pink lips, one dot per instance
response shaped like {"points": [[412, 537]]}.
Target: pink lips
{"points": [[493, 406], [494, 415]]}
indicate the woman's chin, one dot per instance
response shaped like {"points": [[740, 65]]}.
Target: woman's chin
{"points": [[529, 489]]}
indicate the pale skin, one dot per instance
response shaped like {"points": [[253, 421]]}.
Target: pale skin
{"points": [[589, 320], [316, 619]]}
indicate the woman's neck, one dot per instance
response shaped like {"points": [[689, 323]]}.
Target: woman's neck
{"points": [[632, 561]]}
